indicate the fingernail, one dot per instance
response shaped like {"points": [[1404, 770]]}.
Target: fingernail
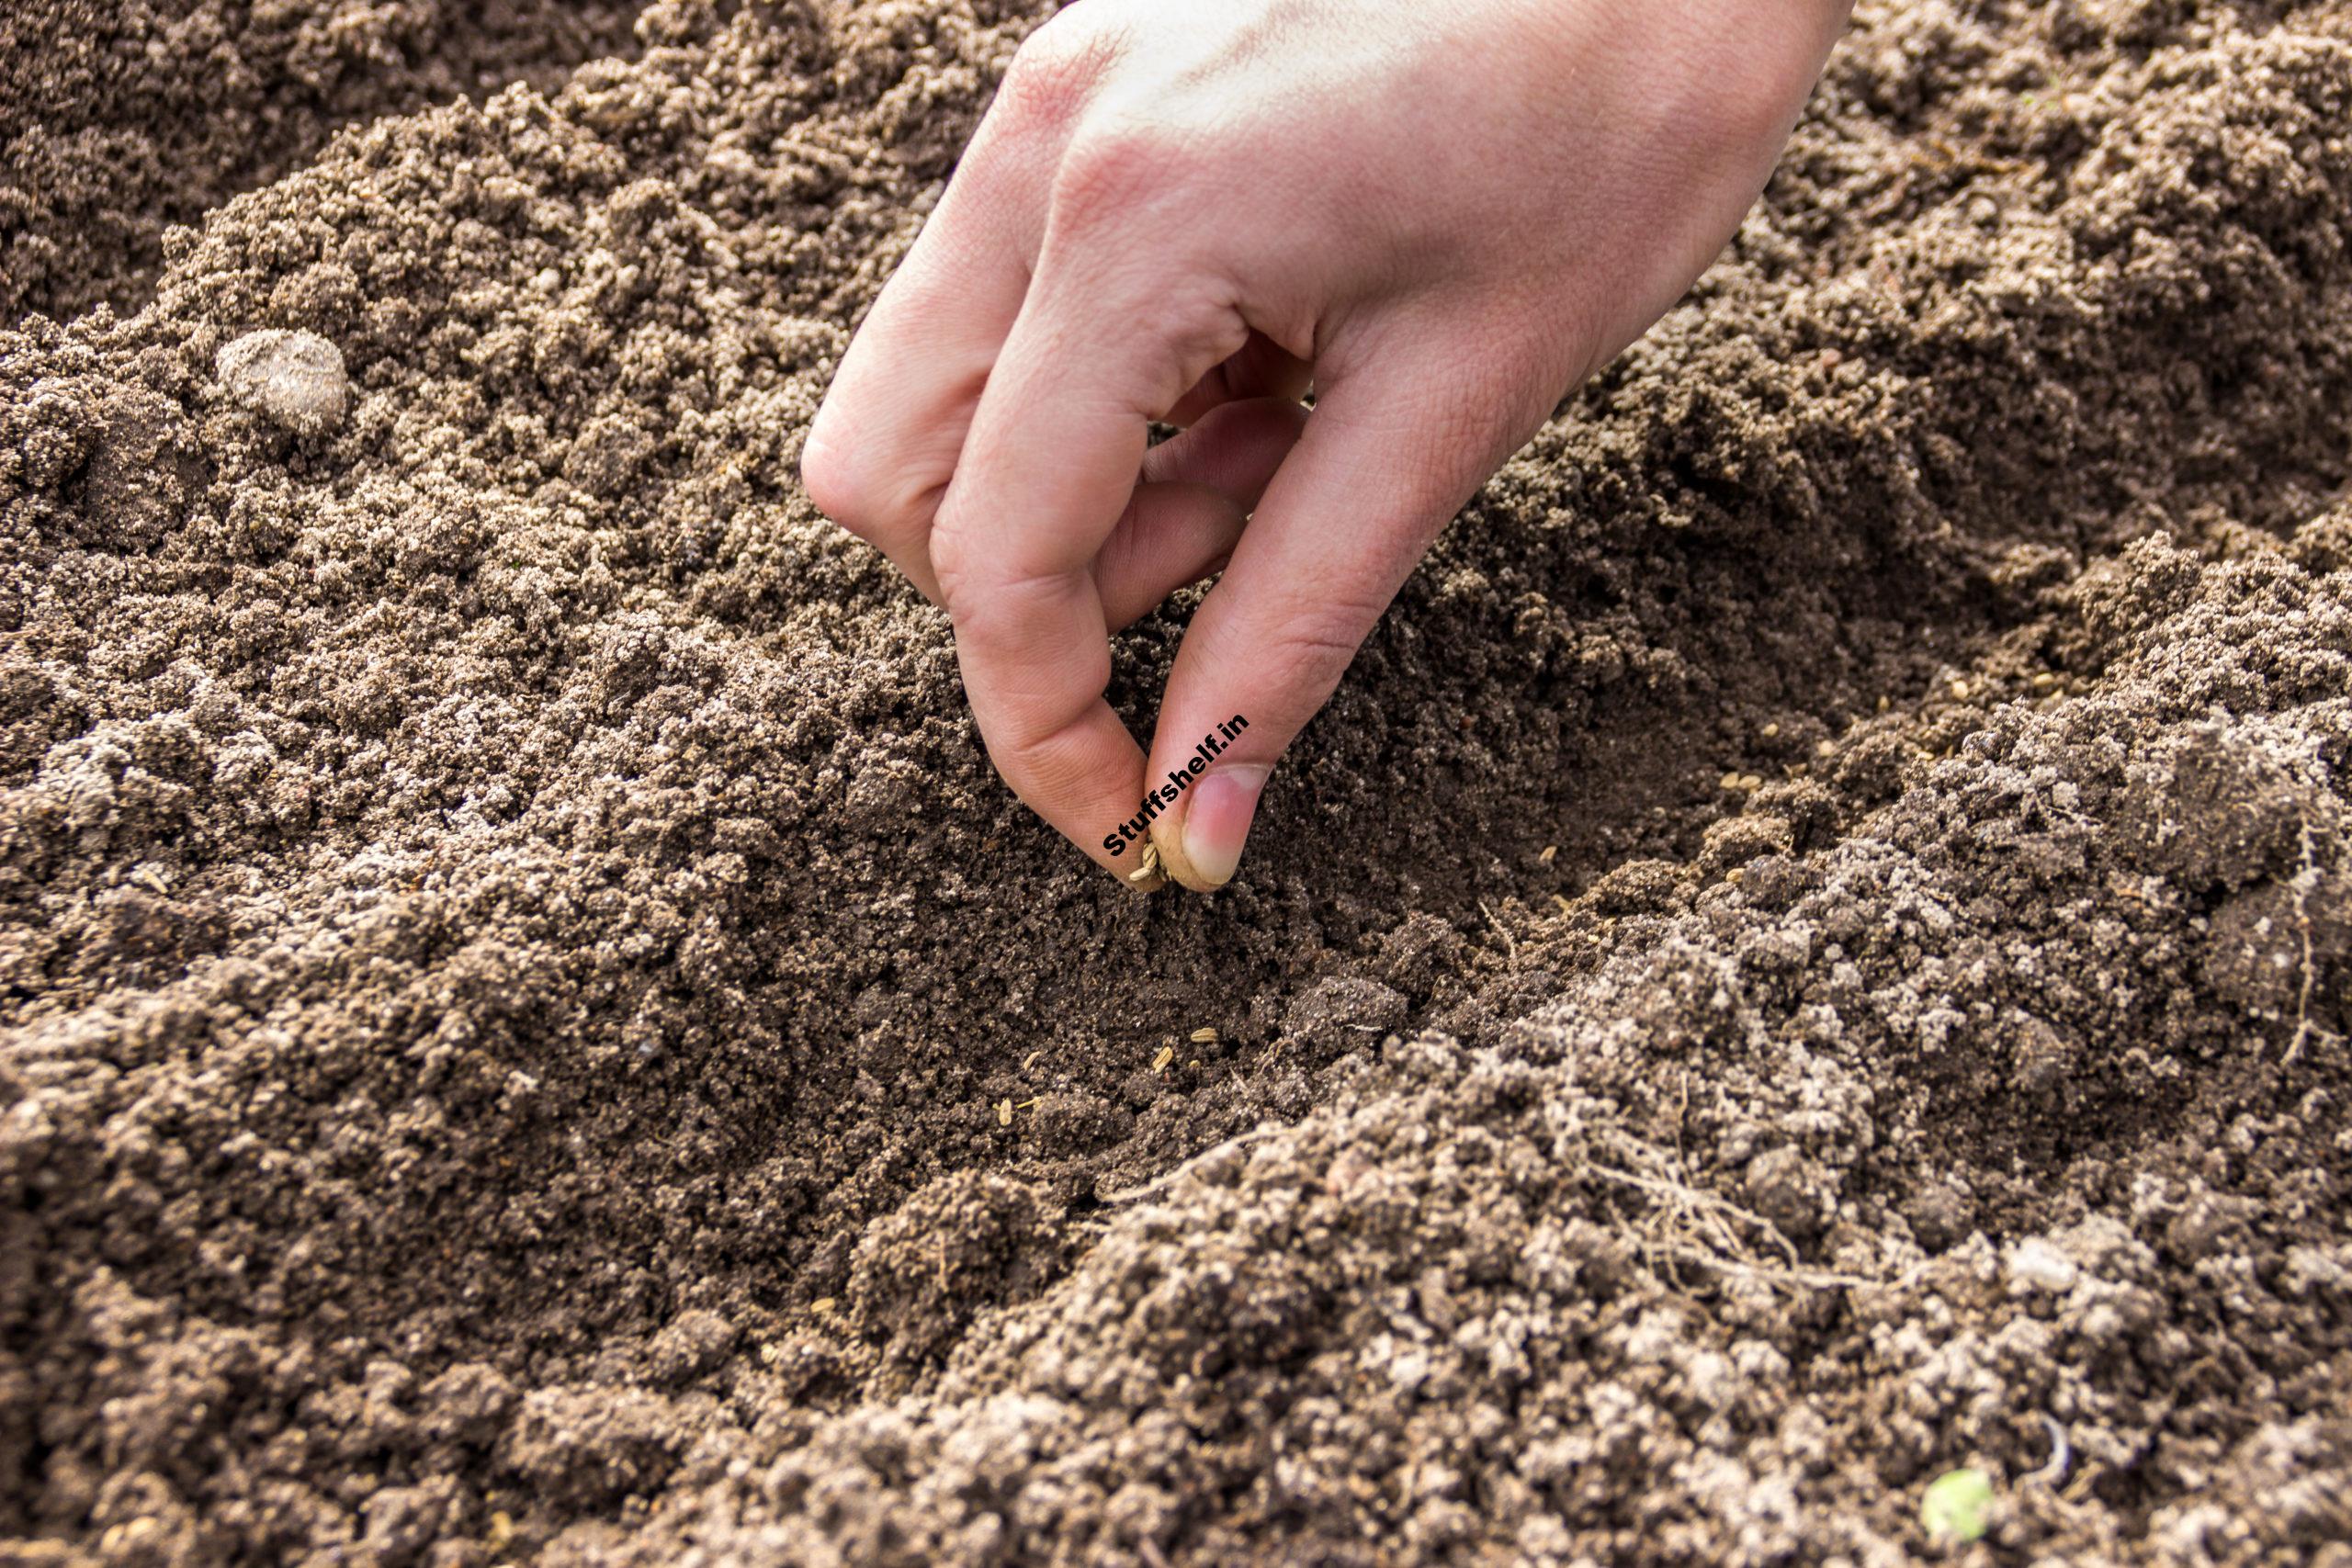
{"points": [[1217, 822]]}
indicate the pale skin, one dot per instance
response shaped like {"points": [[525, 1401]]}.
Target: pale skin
{"points": [[1443, 218]]}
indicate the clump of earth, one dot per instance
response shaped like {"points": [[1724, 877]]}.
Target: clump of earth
{"points": [[1812, 950]]}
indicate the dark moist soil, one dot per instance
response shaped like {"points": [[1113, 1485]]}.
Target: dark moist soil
{"points": [[119, 118], [1813, 948]]}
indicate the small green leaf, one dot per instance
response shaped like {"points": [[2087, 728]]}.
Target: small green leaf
{"points": [[1955, 1506]]}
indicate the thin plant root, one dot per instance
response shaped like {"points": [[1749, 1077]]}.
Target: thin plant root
{"points": [[1238, 1141], [1684, 1215]]}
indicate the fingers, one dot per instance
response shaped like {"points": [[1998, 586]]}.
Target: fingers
{"points": [[884, 445], [1048, 470], [1262, 369], [1389, 456], [1171, 537], [1188, 513], [1235, 449]]}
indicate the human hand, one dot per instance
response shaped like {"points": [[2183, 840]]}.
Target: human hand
{"points": [[1446, 216]]}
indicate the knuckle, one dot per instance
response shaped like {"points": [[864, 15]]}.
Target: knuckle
{"points": [[1316, 648], [827, 474], [1051, 76], [1108, 173], [989, 609], [881, 511], [952, 567], [1046, 759], [1037, 748]]}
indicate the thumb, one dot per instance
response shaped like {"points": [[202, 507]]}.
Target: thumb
{"points": [[1388, 455]]}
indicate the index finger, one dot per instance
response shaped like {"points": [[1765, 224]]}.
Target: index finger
{"points": [[1052, 458]]}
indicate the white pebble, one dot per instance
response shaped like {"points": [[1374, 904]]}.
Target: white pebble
{"points": [[2035, 1264], [293, 377]]}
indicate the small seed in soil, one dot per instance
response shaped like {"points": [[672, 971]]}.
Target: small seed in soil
{"points": [[1550, 852], [1004, 1113], [1205, 1036], [1166, 1055]]}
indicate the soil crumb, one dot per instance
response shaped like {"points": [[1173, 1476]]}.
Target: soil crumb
{"points": [[529, 1030]]}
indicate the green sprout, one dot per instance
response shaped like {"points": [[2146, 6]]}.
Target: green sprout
{"points": [[1955, 1506]]}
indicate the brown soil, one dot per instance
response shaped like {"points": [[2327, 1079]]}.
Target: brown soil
{"points": [[1813, 947], [119, 118]]}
